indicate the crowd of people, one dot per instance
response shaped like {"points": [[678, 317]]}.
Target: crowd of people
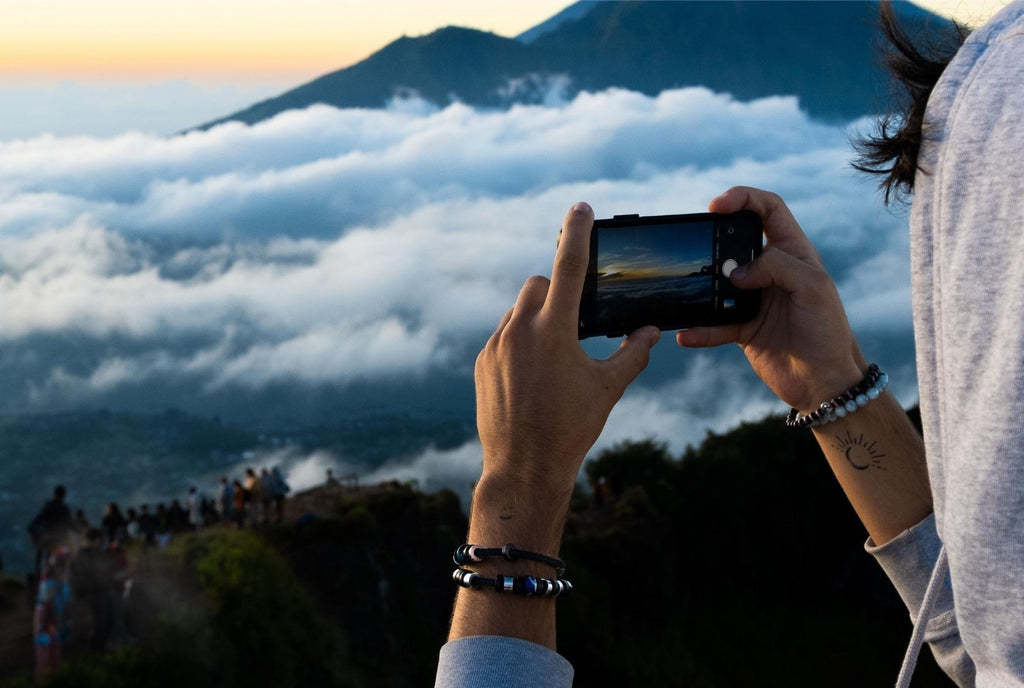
{"points": [[76, 558]]}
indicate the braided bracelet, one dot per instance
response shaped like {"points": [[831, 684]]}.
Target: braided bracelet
{"points": [[858, 396], [469, 554], [528, 586]]}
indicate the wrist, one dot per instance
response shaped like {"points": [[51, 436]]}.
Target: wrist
{"points": [[529, 515], [832, 383]]}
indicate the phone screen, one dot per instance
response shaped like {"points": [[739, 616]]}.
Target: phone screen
{"points": [[645, 272], [671, 271]]}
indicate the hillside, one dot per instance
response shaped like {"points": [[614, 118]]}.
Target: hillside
{"points": [[137, 458], [822, 52], [750, 561]]}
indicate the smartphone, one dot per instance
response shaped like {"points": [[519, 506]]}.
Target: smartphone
{"points": [[671, 271]]}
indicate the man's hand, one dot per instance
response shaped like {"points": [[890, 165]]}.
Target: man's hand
{"points": [[541, 404], [802, 346], [541, 400], [800, 343]]}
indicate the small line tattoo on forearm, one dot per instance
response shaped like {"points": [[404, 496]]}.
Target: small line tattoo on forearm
{"points": [[860, 452]]}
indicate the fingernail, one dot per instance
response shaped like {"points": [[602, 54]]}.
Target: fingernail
{"points": [[738, 273], [583, 207], [653, 337]]}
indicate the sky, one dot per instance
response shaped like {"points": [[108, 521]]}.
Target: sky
{"points": [[108, 66], [665, 250]]}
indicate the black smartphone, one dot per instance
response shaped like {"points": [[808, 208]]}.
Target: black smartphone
{"points": [[671, 271]]}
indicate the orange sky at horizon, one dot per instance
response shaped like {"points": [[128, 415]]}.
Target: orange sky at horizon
{"points": [[127, 40], [124, 40]]}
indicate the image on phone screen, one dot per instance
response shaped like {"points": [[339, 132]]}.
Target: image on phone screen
{"points": [[645, 272]]}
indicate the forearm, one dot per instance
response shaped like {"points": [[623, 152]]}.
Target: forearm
{"points": [[531, 517], [878, 457]]}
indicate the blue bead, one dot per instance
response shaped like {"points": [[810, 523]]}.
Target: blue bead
{"points": [[530, 585], [861, 400], [872, 393], [840, 411], [883, 380], [851, 406]]}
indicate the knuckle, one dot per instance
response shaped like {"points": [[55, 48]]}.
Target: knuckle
{"points": [[536, 283]]}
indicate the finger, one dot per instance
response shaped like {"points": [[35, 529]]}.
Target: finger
{"points": [[631, 357], [780, 227], [504, 320], [531, 297], [777, 268], [570, 269], [703, 337]]}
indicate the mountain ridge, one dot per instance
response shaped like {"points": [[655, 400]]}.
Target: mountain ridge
{"points": [[822, 52]]}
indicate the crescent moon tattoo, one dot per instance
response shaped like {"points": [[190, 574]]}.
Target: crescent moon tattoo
{"points": [[860, 453]]}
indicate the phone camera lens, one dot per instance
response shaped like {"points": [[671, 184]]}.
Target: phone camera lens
{"points": [[730, 231]]}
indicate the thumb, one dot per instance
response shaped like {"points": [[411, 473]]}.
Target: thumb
{"points": [[776, 268], [631, 357]]}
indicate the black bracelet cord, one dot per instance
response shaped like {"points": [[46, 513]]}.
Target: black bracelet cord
{"points": [[466, 555]]}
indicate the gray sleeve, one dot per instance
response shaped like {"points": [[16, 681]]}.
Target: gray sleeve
{"points": [[908, 561], [489, 661]]}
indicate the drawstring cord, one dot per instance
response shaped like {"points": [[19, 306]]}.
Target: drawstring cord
{"points": [[917, 639]]}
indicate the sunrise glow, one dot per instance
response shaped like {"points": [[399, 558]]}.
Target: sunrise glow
{"points": [[195, 39], [119, 39]]}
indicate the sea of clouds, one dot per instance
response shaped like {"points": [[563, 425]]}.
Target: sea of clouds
{"points": [[330, 249]]}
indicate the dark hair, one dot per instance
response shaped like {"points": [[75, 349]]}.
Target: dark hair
{"points": [[892, 151], [60, 492]]}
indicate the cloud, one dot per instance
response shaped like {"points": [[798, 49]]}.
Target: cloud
{"points": [[331, 247], [317, 171]]}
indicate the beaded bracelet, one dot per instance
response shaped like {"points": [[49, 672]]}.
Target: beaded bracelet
{"points": [[528, 586], [469, 554], [858, 396]]}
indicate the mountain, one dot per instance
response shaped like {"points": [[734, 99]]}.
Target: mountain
{"points": [[825, 53]]}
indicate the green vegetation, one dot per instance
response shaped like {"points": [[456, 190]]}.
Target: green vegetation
{"points": [[738, 564]]}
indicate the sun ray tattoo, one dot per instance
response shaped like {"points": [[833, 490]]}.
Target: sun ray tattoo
{"points": [[861, 453]]}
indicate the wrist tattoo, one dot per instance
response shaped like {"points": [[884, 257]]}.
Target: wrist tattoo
{"points": [[860, 453], [507, 512]]}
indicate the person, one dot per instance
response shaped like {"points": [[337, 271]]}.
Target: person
{"points": [[193, 503], [254, 492], [148, 525], [81, 523], [163, 525], [51, 622], [266, 494], [944, 517], [279, 489], [113, 522], [51, 529], [240, 497], [177, 517], [92, 576], [131, 524], [226, 500], [120, 588]]}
